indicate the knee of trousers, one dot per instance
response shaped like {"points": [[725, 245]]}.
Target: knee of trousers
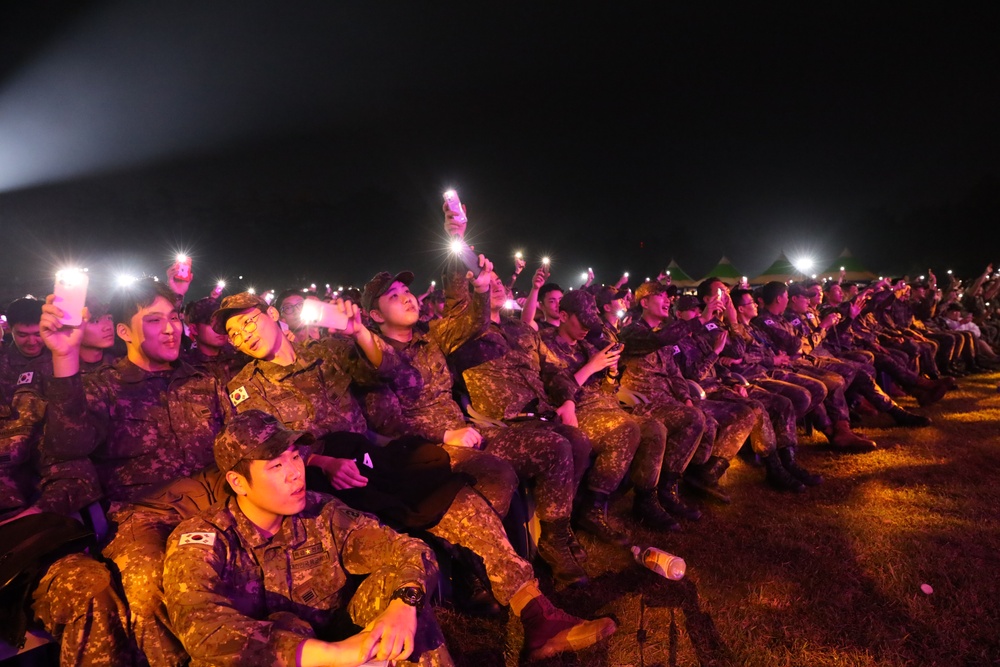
{"points": [[73, 586]]}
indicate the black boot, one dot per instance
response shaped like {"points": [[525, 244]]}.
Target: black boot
{"points": [[904, 418], [593, 517], [647, 509], [472, 591], [670, 498], [779, 478], [554, 548], [705, 478], [787, 456]]}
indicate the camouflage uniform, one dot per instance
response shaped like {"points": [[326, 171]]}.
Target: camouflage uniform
{"points": [[74, 600], [139, 429], [502, 370], [223, 366], [615, 434], [237, 598], [314, 393], [419, 401]]}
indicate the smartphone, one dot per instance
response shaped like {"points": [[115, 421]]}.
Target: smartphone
{"points": [[455, 206], [71, 295], [322, 314], [466, 254], [183, 267]]}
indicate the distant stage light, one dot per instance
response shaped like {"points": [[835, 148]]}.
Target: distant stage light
{"points": [[124, 280], [804, 264]]}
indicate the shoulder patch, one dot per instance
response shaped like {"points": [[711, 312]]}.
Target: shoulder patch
{"points": [[239, 396], [770, 323], [677, 349], [711, 326], [25, 377], [367, 461], [207, 539], [796, 322]]}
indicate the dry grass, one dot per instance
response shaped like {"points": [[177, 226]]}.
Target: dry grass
{"points": [[831, 577]]}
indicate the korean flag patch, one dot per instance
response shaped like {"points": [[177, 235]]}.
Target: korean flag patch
{"points": [[769, 323], [711, 326], [677, 349], [796, 322], [239, 396], [367, 461], [25, 377], [208, 539]]}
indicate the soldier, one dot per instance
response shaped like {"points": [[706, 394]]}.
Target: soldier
{"points": [[211, 350], [728, 424], [147, 419], [74, 599], [26, 353], [615, 434], [422, 404], [98, 338], [786, 344]]}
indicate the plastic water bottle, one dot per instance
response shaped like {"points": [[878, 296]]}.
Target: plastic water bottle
{"points": [[660, 562]]}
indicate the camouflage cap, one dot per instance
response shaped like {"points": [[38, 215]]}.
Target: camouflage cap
{"points": [[687, 302], [380, 284], [235, 303], [254, 435], [200, 311], [798, 289], [649, 288], [607, 293], [581, 303]]}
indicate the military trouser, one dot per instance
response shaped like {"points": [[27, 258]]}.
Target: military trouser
{"points": [[805, 394], [78, 605], [727, 426], [648, 460], [138, 550], [685, 427], [762, 437], [495, 478], [949, 348], [782, 412], [552, 457], [900, 374], [469, 522], [862, 384], [614, 435], [835, 402]]}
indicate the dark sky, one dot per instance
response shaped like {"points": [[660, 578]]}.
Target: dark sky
{"points": [[310, 141]]}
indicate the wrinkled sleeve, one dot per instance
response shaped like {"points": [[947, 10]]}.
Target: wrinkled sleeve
{"points": [[463, 320], [346, 356], [370, 548], [557, 377], [212, 630]]}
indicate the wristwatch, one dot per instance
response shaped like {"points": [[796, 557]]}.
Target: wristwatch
{"points": [[411, 595]]}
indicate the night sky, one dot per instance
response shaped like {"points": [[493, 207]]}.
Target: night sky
{"points": [[310, 141]]}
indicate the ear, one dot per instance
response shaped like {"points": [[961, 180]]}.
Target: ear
{"points": [[123, 332], [372, 314], [273, 313], [238, 482], [563, 317]]}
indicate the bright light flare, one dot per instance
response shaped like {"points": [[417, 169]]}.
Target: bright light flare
{"points": [[125, 280], [71, 276], [625, 274], [220, 284], [518, 255], [584, 275], [251, 290], [456, 246], [509, 304], [804, 264], [545, 261]]}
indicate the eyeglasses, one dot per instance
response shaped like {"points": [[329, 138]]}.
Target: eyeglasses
{"points": [[248, 328], [289, 308]]}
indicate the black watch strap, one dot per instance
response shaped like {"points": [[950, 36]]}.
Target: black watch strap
{"points": [[411, 595]]}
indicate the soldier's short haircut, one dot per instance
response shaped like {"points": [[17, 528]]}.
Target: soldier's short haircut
{"points": [[705, 286], [26, 310], [546, 288], [737, 294], [771, 291], [243, 468], [128, 301], [286, 294]]}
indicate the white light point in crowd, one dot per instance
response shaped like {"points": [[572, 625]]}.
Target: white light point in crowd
{"points": [[921, 277], [620, 314], [509, 304], [124, 280], [220, 284], [433, 283], [949, 272], [803, 264], [456, 246], [625, 274], [241, 277], [583, 276], [518, 255], [545, 261], [312, 285], [251, 290], [305, 290]]}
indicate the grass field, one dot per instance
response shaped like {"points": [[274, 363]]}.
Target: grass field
{"points": [[831, 577]]}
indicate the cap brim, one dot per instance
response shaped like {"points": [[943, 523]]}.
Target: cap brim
{"points": [[274, 446]]}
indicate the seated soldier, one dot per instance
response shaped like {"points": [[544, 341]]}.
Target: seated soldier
{"points": [[211, 350], [422, 404], [98, 337], [617, 436], [26, 353]]}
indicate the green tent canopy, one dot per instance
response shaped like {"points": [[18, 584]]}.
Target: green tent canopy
{"points": [[781, 270], [853, 269], [725, 271], [679, 276]]}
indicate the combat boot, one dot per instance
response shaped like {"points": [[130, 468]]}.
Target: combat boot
{"points": [[705, 478], [593, 517], [904, 418], [670, 498], [554, 548], [579, 553], [549, 630], [647, 509], [779, 478], [929, 391], [787, 456], [841, 437], [472, 592]]}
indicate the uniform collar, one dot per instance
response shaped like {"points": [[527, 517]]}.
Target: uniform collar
{"points": [[131, 374]]}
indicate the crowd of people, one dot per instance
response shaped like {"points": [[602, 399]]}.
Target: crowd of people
{"points": [[240, 481]]}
